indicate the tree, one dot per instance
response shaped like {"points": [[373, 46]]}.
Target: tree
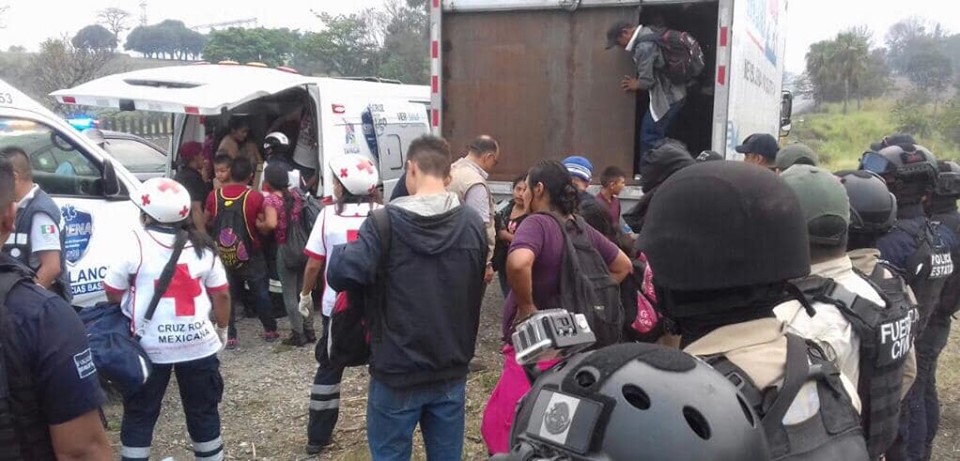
{"points": [[115, 20], [818, 70], [931, 72], [60, 64], [16, 49], [95, 37], [406, 38], [848, 59], [347, 46], [274, 47], [169, 39]]}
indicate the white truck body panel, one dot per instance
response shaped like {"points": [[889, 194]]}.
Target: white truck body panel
{"points": [[91, 225]]}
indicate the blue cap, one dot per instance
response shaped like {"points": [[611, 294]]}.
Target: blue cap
{"points": [[579, 166]]}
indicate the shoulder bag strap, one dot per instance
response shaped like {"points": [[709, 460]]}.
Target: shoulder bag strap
{"points": [[164, 282], [796, 371]]}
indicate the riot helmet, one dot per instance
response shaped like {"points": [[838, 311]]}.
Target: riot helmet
{"points": [[873, 209]]}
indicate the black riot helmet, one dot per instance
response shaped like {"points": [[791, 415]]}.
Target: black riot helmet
{"points": [[910, 171], [636, 402], [873, 209], [724, 225], [948, 180]]}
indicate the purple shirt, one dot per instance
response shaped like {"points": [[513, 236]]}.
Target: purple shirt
{"points": [[542, 235]]}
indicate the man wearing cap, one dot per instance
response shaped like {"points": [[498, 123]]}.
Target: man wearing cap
{"points": [[760, 149], [581, 173], [666, 97], [192, 164], [796, 154], [826, 210]]}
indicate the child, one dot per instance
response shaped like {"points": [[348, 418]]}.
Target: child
{"points": [[221, 169]]}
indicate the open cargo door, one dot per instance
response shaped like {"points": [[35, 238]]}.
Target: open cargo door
{"points": [[193, 90]]}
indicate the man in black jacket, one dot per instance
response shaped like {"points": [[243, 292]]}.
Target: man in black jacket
{"points": [[423, 336], [581, 173]]}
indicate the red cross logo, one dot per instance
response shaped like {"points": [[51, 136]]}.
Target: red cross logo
{"points": [[145, 199], [184, 290], [365, 166], [169, 186], [184, 212], [343, 173], [353, 235]]}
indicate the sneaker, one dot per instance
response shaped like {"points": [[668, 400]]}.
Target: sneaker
{"points": [[295, 340], [310, 336], [314, 449], [232, 344], [271, 336]]}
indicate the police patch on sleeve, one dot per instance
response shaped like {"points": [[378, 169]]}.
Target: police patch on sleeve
{"points": [[84, 364]]}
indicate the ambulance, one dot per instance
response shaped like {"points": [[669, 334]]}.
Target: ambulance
{"points": [[371, 117], [92, 190]]}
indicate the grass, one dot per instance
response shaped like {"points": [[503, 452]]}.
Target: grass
{"points": [[841, 139]]}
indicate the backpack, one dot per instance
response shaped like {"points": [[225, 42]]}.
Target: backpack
{"points": [[682, 55], [932, 259], [234, 242], [346, 342], [298, 234], [585, 284], [834, 433], [885, 343]]}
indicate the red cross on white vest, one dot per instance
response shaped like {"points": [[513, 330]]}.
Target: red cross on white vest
{"points": [[184, 290]]}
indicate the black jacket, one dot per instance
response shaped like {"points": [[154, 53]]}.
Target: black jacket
{"points": [[597, 217], [428, 328]]}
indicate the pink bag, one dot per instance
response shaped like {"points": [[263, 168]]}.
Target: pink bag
{"points": [[502, 405], [647, 317]]}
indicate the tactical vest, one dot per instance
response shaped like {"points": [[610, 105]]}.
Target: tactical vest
{"points": [[21, 247], [927, 268], [23, 433], [834, 433], [886, 338]]}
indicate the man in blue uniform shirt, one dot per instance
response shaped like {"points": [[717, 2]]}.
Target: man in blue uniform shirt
{"points": [[49, 391]]}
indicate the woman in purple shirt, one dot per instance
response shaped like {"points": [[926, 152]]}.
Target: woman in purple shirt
{"points": [[536, 254]]}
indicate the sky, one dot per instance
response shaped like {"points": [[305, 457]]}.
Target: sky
{"points": [[28, 22]]}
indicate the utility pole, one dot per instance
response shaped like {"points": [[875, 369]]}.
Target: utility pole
{"points": [[143, 13]]}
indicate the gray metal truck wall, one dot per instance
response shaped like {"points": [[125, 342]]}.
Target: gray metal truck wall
{"points": [[542, 83]]}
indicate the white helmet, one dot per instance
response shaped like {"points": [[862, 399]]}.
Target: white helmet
{"points": [[356, 172], [96, 136], [164, 200], [275, 140]]}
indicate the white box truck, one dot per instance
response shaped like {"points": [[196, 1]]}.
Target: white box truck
{"points": [[535, 75]]}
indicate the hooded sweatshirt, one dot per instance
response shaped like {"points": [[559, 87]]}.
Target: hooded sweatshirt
{"points": [[426, 331]]}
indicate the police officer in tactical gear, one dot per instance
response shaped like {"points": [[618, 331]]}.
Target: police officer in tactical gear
{"points": [[635, 402], [864, 334], [37, 241], [922, 250], [724, 239], [49, 392], [942, 208]]}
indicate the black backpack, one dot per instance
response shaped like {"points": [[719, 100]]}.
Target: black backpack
{"points": [[585, 284], [298, 233], [682, 55], [932, 259], [346, 343], [234, 242], [834, 433]]}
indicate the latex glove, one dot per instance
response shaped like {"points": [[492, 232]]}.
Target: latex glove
{"points": [[222, 334], [306, 304]]}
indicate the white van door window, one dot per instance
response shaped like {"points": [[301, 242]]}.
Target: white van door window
{"points": [[58, 167]]}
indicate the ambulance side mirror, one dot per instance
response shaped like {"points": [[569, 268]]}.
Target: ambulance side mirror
{"points": [[111, 184]]}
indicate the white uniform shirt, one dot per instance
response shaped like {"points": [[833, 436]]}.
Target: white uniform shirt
{"points": [[44, 233], [332, 229], [181, 329], [829, 328]]}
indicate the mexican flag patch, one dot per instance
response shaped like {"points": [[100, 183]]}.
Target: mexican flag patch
{"points": [[48, 230]]}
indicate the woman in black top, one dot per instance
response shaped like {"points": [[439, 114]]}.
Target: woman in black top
{"points": [[508, 220]]}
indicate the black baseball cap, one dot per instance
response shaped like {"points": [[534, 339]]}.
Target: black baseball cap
{"points": [[613, 33], [760, 143]]}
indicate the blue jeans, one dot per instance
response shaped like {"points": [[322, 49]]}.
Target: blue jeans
{"points": [[652, 132], [393, 414], [201, 388]]}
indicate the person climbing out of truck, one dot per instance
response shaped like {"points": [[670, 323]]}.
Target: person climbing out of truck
{"points": [[666, 61], [760, 149]]}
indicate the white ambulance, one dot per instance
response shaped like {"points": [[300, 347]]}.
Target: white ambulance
{"points": [[93, 192], [375, 118]]}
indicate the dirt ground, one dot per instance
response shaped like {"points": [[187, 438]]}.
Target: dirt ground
{"points": [[267, 393]]}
